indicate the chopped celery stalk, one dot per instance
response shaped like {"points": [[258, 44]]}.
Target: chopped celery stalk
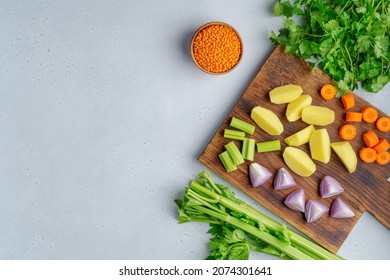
{"points": [[234, 134], [243, 126], [268, 146], [248, 148], [227, 161], [234, 153]]}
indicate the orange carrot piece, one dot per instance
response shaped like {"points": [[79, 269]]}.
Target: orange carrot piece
{"points": [[368, 155], [383, 158], [382, 146], [353, 117], [347, 132], [370, 114], [383, 124], [328, 91], [370, 139], [348, 101]]}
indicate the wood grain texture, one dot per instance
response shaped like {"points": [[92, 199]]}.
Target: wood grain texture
{"points": [[367, 189]]}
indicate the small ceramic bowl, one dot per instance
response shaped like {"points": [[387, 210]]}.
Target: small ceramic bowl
{"points": [[200, 29]]}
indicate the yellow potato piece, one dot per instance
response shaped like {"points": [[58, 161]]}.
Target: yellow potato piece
{"points": [[285, 94], [317, 115], [294, 109], [320, 145], [346, 154], [301, 137], [267, 120], [299, 162]]}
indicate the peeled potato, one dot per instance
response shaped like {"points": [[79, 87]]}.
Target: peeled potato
{"points": [[267, 120], [346, 154], [301, 137], [299, 162], [317, 115], [285, 94], [320, 145]]}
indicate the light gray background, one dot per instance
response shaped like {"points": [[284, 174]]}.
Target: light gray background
{"points": [[103, 115]]}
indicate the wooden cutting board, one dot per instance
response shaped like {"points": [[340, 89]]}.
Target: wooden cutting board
{"points": [[367, 189]]}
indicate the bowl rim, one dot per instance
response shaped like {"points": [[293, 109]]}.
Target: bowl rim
{"points": [[207, 25]]}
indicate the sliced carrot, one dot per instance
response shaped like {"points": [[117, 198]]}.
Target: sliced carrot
{"points": [[347, 132], [348, 101], [353, 117], [370, 114], [328, 91], [383, 158], [368, 155], [370, 139], [383, 124], [382, 146]]}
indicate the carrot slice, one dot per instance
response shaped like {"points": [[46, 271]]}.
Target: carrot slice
{"points": [[328, 91], [353, 117], [370, 139], [348, 101], [368, 155], [383, 158], [382, 146], [370, 114], [347, 132], [383, 124]]}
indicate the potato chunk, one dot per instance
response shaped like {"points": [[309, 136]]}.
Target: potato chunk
{"points": [[317, 115], [301, 137], [267, 120], [320, 145], [299, 162], [346, 154], [285, 94]]}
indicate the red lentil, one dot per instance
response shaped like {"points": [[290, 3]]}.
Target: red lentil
{"points": [[217, 48]]}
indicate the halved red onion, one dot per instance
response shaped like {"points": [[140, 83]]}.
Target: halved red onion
{"points": [[283, 180], [340, 209], [258, 174], [296, 200], [314, 210], [329, 186]]}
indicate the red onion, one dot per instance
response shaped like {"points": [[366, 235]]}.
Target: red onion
{"points": [[329, 186], [258, 174], [340, 210], [296, 200], [283, 180], [314, 210]]}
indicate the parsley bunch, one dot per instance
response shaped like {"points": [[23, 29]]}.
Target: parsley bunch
{"points": [[346, 39]]}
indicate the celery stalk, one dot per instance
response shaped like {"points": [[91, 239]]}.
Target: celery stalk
{"points": [[265, 236], [268, 146], [242, 125], [227, 161], [248, 148], [234, 134], [234, 153]]}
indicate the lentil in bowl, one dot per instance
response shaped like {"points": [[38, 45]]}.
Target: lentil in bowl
{"points": [[216, 48]]}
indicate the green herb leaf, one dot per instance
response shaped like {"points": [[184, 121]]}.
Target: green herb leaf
{"points": [[332, 24], [286, 9]]}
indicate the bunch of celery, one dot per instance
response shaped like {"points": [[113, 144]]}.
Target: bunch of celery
{"points": [[238, 228]]}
